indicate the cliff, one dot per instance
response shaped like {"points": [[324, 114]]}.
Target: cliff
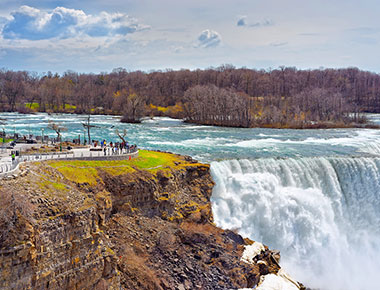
{"points": [[138, 224]]}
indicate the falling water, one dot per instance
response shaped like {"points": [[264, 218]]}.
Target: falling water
{"points": [[322, 213]]}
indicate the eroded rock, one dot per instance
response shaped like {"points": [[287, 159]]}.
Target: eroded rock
{"points": [[136, 230]]}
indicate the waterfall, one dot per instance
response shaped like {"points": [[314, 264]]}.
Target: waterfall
{"points": [[322, 213]]}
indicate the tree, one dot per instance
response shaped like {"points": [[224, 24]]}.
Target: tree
{"points": [[215, 106], [122, 136], [274, 91], [133, 108], [13, 87], [57, 128], [88, 126]]}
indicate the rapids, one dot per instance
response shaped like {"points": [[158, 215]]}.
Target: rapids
{"points": [[312, 194]]}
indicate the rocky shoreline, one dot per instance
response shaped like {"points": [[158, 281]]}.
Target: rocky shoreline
{"points": [[110, 225]]}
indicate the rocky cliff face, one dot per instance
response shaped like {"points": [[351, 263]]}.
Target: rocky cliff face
{"points": [[62, 245], [123, 228]]}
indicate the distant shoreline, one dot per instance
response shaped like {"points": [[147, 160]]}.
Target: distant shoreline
{"points": [[316, 125], [321, 125]]}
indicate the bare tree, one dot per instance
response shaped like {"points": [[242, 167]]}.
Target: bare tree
{"points": [[88, 126], [274, 91], [133, 108], [58, 129], [122, 136]]}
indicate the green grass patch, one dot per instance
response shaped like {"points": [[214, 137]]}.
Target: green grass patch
{"points": [[6, 140], [82, 171], [49, 185], [150, 160], [33, 106], [59, 186], [77, 174], [36, 107]]}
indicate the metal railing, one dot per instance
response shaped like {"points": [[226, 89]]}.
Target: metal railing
{"points": [[7, 169]]}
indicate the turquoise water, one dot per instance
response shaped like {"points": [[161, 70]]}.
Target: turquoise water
{"points": [[312, 194], [207, 143]]}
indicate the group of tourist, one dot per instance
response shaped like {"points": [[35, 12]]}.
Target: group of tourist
{"points": [[115, 148]]}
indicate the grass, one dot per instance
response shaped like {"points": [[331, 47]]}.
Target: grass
{"points": [[33, 106], [6, 140], [36, 107], [81, 171], [46, 184], [77, 174], [151, 160]]}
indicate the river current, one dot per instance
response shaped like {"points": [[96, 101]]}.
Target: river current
{"points": [[312, 194]]}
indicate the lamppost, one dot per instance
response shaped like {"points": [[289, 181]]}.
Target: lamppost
{"points": [[2, 122]]}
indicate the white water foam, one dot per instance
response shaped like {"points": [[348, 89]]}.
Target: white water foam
{"points": [[196, 142], [322, 213], [366, 141]]}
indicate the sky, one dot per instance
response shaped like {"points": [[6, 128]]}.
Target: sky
{"points": [[93, 36]]}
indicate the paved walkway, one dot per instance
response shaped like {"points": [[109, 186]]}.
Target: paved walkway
{"points": [[7, 167]]}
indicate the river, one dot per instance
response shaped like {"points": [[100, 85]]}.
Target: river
{"points": [[312, 194]]}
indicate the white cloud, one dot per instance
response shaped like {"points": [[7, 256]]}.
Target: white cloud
{"points": [[242, 22], [34, 24], [209, 38], [277, 44], [316, 36]]}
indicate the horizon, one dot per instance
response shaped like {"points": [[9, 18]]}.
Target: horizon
{"points": [[147, 35], [267, 70]]}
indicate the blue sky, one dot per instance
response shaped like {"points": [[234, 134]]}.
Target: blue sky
{"points": [[97, 36]]}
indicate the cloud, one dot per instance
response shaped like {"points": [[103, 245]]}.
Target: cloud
{"points": [[3, 21], [277, 44], [242, 22], [309, 34], [364, 30], [34, 24], [209, 38]]}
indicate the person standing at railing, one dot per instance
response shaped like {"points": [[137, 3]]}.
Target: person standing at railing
{"points": [[13, 156]]}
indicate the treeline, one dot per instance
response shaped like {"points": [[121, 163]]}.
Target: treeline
{"points": [[220, 96], [314, 108]]}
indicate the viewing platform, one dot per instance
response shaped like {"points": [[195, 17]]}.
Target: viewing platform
{"points": [[8, 167]]}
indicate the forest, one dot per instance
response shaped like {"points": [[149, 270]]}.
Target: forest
{"points": [[285, 97]]}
